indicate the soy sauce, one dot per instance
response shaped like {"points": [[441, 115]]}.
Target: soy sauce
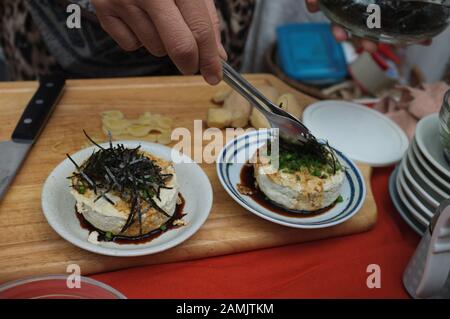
{"points": [[145, 238], [247, 180]]}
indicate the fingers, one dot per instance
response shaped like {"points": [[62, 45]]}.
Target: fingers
{"points": [[313, 5], [120, 32], [339, 33], [216, 25], [176, 36], [369, 46], [140, 23], [114, 26], [196, 15], [427, 42]]}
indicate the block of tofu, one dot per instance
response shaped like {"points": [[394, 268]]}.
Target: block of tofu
{"points": [[296, 190], [107, 217]]}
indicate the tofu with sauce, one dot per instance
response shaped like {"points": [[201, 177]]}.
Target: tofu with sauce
{"points": [[297, 188]]}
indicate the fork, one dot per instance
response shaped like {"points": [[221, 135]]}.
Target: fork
{"points": [[290, 128]]}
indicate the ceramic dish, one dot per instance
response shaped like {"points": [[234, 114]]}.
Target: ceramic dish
{"points": [[231, 161], [401, 208], [58, 204], [363, 134], [422, 195], [427, 169], [427, 138], [55, 287], [411, 192], [406, 201], [437, 193]]}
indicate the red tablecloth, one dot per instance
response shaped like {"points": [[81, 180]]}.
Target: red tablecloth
{"points": [[332, 268]]}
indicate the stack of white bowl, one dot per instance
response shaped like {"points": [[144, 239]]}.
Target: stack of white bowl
{"points": [[422, 179]]}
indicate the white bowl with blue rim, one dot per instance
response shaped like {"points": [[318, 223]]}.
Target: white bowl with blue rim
{"points": [[236, 153]]}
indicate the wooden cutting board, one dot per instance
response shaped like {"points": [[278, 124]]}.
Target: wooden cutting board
{"points": [[28, 246]]}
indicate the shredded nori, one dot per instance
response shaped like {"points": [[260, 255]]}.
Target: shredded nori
{"points": [[317, 157], [128, 173]]}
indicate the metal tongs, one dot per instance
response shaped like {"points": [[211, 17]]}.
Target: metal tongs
{"points": [[291, 129]]}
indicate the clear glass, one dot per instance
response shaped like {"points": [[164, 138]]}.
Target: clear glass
{"points": [[55, 287], [444, 128], [402, 22]]}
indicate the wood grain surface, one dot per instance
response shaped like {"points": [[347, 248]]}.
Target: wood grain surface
{"points": [[29, 246]]}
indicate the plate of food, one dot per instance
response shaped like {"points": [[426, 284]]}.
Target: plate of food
{"points": [[126, 198], [311, 186]]}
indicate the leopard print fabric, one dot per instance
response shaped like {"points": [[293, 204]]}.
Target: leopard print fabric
{"points": [[27, 55], [236, 17]]}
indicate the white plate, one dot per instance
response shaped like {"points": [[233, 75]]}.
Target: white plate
{"points": [[363, 134], [426, 197], [405, 200], [413, 166], [429, 170], [414, 193], [401, 208], [59, 205], [232, 158], [428, 142]]}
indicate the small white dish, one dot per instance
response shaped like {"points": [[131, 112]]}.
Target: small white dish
{"points": [[365, 135], [426, 197], [428, 170], [59, 205], [400, 206], [427, 138], [411, 191], [422, 179], [236, 153], [411, 208]]}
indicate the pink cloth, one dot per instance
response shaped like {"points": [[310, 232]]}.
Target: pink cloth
{"points": [[414, 104]]}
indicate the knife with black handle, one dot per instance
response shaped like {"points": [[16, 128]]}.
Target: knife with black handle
{"points": [[30, 125]]}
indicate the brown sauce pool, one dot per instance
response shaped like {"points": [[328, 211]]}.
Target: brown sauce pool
{"points": [[247, 178], [145, 238]]}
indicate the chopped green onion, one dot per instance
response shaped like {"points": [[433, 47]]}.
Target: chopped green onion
{"points": [[108, 235], [81, 189]]}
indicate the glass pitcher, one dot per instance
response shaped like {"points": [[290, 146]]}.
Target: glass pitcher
{"points": [[390, 21]]}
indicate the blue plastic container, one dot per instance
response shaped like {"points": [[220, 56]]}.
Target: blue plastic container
{"points": [[309, 53]]}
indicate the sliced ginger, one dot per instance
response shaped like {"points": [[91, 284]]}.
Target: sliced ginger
{"points": [[147, 126]]}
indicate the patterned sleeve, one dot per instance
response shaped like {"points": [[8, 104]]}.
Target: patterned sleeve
{"points": [[84, 4], [236, 17]]}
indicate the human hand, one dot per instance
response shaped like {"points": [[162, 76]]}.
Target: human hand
{"points": [[185, 30], [339, 33]]}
